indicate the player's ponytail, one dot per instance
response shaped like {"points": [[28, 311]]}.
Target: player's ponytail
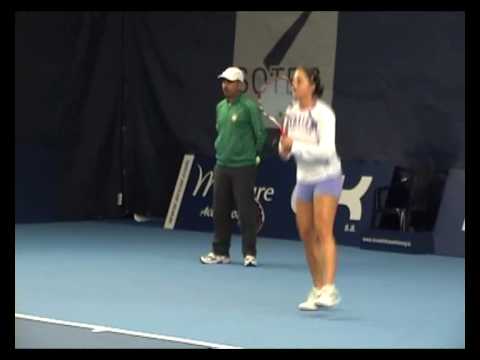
{"points": [[318, 83]]}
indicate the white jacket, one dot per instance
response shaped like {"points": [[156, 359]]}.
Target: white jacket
{"points": [[313, 135]]}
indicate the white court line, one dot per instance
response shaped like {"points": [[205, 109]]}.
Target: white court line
{"points": [[101, 328]]}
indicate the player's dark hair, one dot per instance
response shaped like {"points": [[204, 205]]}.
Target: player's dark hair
{"points": [[313, 75]]}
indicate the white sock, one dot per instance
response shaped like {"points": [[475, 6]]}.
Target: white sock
{"points": [[328, 287]]}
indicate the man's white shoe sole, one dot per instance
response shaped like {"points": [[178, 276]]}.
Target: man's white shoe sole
{"points": [[221, 262]]}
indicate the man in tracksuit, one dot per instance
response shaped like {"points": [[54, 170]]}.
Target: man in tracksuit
{"points": [[240, 138]]}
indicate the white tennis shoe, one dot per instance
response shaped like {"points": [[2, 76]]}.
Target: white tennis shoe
{"points": [[212, 258], [310, 303], [329, 297], [250, 261]]}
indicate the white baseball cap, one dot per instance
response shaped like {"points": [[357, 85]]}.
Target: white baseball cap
{"points": [[232, 74]]}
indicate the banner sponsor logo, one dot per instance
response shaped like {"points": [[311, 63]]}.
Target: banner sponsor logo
{"points": [[192, 202], [283, 41]]}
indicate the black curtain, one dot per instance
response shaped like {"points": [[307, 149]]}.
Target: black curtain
{"points": [[172, 60], [106, 103], [67, 113], [400, 88]]}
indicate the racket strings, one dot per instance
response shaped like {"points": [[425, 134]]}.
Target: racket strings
{"points": [[274, 98]]}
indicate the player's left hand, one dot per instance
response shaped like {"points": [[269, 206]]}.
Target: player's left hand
{"points": [[286, 143]]}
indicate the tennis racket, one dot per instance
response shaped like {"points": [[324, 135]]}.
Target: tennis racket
{"points": [[259, 216], [274, 98]]}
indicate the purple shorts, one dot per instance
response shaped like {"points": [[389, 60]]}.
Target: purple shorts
{"points": [[331, 186]]}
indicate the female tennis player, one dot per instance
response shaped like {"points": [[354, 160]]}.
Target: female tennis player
{"points": [[309, 136]]}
